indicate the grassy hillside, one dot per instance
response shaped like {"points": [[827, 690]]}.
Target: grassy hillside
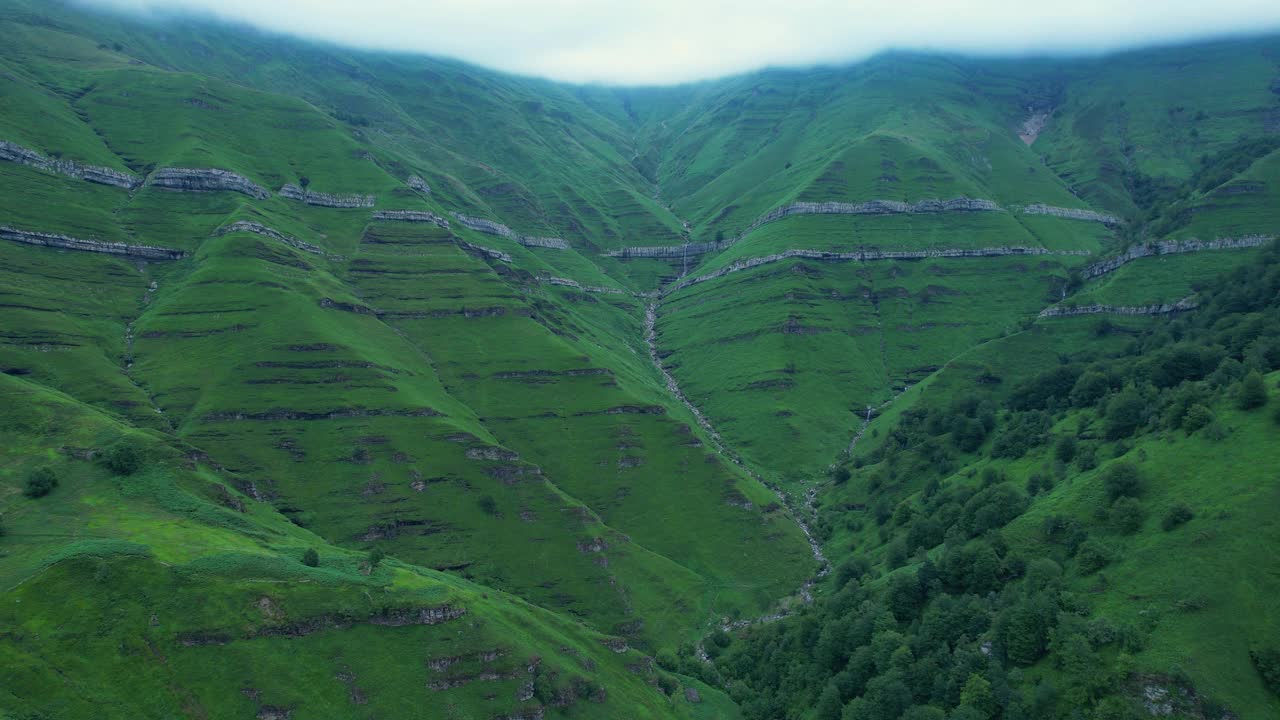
{"points": [[561, 383], [161, 589], [1070, 514]]}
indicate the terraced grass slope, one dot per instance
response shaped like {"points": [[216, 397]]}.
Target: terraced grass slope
{"points": [[166, 592], [551, 378], [1070, 513]]}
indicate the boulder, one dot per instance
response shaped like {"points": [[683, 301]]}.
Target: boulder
{"points": [[417, 183]]}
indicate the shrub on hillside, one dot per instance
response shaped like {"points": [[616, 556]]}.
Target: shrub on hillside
{"points": [[1228, 372], [1267, 661], [1087, 457], [488, 505], [1122, 480], [1253, 392], [1216, 431], [1125, 414], [1065, 449], [1042, 573], [375, 557], [1091, 387], [841, 475], [993, 508], [667, 684], [40, 482], [1196, 417], [977, 694], [1037, 482], [1182, 362], [851, 569], [1092, 556], [311, 558], [1177, 515], [1065, 531], [123, 458], [897, 554], [1127, 514], [967, 434], [1024, 432], [1036, 392]]}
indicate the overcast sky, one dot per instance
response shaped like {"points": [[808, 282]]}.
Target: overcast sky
{"points": [[669, 41]]}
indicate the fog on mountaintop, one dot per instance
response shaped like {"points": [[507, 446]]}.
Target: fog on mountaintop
{"points": [[672, 41]]}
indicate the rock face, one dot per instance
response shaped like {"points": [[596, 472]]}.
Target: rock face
{"points": [[669, 251], [566, 282], [1071, 214], [494, 228], [543, 242], [1033, 126], [485, 226], [418, 616], [15, 153], [482, 250], [1173, 247], [66, 242], [416, 183], [206, 180], [869, 255], [260, 229], [413, 216], [293, 192], [1187, 303]]}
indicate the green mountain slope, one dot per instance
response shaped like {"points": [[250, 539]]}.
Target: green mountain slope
{"points": [[562, 383], [165, 591], [1071, 513]]}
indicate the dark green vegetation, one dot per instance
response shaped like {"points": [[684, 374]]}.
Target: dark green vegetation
{"points": [[1096, 552], [346, 450]]}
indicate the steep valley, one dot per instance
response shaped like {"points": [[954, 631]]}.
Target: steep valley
{"points": [[341, 383]]}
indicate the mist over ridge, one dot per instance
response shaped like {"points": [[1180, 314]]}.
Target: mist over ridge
{"points": [[669, 42]]}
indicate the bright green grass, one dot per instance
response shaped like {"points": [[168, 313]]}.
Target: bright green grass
{"points": [[1211, 560], [404, 393], [1248, 204], [1160, 279], [1162, 128], [786, 358], [852, 233], [144, 561], [596, 434]]}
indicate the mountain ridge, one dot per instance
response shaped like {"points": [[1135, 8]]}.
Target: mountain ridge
{"points": [[598, 352]]}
